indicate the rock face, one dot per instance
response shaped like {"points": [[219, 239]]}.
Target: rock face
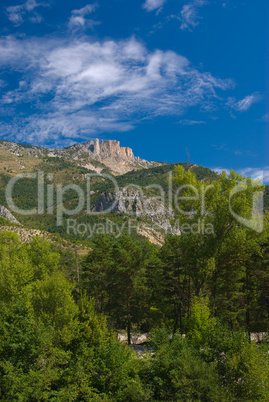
{"points": [[133, 203], [5, 213], [93, 155], [107, 149], [108, 153]]}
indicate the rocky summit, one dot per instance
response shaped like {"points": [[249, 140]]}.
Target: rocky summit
{"points": [[105, 149], [95, 155], [108, 153]]}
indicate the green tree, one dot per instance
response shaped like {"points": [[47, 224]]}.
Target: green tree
{"points": [[219, 263], [178, 373], [129, 291], [96, 271]]}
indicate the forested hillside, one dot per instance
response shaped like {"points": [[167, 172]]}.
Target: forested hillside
{"points": [[65, 168], [200, 298], [64, 172]]}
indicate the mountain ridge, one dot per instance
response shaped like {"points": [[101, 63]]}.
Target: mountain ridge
{"points": [[68, 166], [93, 155]]}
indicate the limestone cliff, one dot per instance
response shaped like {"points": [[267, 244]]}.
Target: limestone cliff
{"points": [[107, 149], [131, 202], [108, 153]]}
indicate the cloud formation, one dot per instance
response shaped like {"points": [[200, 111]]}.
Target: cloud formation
{"points": [[244, 104], [265, 117], [68, 91], [78, 17], [260, 174], [257, 174], [151, 5], [189, 14], [219, 170], [16, 14], [187, 122]]}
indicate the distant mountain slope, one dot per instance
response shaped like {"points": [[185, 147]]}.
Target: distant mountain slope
{"points": [[70, 166], [104, 156], [117, 159], [68, 171]]}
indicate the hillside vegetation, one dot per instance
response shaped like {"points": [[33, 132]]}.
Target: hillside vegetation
{"points": [[200, 298], [66, 171], [67, 167]]}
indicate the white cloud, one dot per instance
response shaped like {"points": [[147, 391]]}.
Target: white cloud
{"points": [[151, 5], [261, 174], [83, 88], [78, 17], [265, 117], [257, 174], [16, 14], [36, 18], [187, 122], [58, 128], [244, 104], [189, 14], [247, 102], [219, 170]]}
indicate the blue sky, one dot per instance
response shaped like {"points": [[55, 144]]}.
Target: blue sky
{"points": [[158, 75]]}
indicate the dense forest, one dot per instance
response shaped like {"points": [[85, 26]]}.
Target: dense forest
{"points": [[200, 298]]}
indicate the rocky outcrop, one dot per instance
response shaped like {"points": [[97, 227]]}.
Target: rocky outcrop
{"points": [[94, 155], [133, 203], [20, 149], [108, 153], [5, 213], [106, 149]]}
